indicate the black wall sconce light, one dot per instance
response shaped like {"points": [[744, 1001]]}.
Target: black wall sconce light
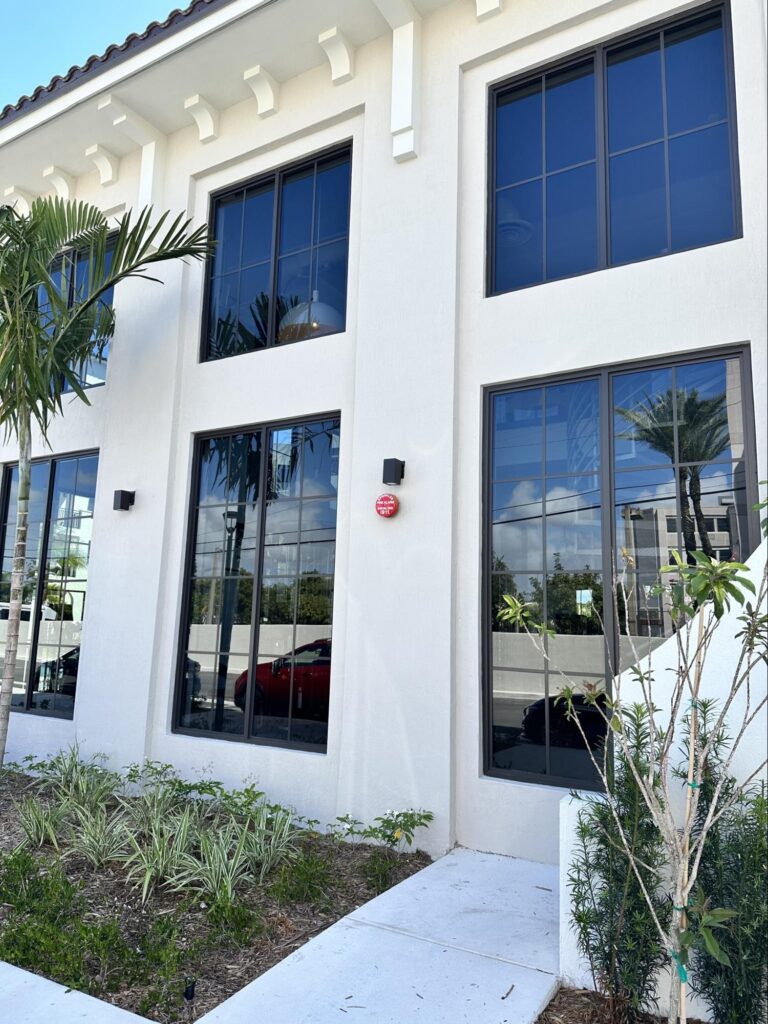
{"points": [[123, 500], [394, 471]]}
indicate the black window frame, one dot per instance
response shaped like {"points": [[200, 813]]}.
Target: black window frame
{"points": [[276, 176], [599, 54], [5, 488], [198, 441], [72, 256], [604, 373]]}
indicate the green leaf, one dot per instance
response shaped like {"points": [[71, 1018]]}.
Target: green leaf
{"points": [[713, 947]]}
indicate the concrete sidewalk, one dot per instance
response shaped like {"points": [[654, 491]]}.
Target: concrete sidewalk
{"points": [[472, 939]]}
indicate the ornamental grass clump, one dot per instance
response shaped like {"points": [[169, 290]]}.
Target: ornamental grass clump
{"points": [[43, 823], [98, 836]]}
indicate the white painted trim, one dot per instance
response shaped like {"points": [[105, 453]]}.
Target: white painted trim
{"points": [[106, 163], [63, 183], [264, 88], [206, 117], [340, 54]]}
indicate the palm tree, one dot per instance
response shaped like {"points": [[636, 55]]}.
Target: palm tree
{"points": [[47, 338], [702, 435]]}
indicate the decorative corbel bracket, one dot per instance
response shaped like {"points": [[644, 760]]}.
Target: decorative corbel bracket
{"points": [[151, 141], [340, 54], [63, 184], [19, 199], [405, 22], [264, 88], [106, 163], [487, 8], [206, 117]]}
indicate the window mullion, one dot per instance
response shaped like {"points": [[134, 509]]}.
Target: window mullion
{"points": [[601, 152], [253, 651], [611, 628], [276, 211], [545, 577], [665, 126], [40, 590], [544, 180]]}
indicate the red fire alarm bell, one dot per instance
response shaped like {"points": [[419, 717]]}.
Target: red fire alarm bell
{"points": [[387, 505]]}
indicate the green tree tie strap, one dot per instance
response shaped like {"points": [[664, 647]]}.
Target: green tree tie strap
{"points": [[682, 973]]}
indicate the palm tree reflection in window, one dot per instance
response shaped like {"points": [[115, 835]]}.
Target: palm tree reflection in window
{"points": [[702, 436], [233, 335]]}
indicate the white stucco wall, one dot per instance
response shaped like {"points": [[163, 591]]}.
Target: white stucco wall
{"points": [[407, 377]]}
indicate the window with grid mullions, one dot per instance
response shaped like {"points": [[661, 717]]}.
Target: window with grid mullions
{"points": [[625, 153], [55, 584], [255, 657], [591, 483], [279, 271]]}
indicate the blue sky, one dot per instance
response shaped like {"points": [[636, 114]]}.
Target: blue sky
{"points": [[44, 38]]}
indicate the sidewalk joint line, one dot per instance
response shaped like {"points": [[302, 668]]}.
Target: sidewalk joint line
{"points": [[444, 945]]}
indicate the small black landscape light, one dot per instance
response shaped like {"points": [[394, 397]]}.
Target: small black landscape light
{"points": [[189, 991], [394, 471], [123, 500]]}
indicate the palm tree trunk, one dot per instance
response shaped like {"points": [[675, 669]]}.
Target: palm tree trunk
{"points": [[689, 533], [17, 579], [695, 490]]}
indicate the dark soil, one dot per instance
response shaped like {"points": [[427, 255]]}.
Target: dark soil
{"points": [[581, 1006], [221, 966]]}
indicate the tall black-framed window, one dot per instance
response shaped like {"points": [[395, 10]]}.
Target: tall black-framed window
{"points": [[623, 153], [279, 271], [256, 631], [588, 479], [55, 579]]}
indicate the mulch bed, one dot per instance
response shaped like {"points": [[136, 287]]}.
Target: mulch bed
{"points": [[581, 1006], [220, 970]]}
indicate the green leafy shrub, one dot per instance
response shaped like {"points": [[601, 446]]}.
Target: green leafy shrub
{"points": [[28, 889], [614, 927], [307, 879], [734, 874], [380, 868], [393, 829], [236, 922]]}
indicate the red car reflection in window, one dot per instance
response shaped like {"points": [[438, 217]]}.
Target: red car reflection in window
{"points": [[311, 683]]}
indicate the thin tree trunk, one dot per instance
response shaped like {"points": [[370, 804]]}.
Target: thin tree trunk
{"points": [[674, 1000], [17, 581], [695, 492]]}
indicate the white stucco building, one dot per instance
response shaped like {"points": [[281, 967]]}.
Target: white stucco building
{"points": [[497, 234]]}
